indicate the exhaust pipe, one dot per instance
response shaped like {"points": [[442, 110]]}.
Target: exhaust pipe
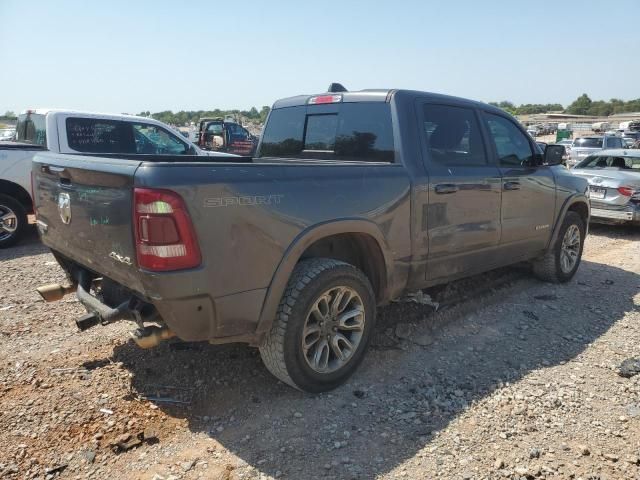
{"points": [[151, 336], [54, 291]]}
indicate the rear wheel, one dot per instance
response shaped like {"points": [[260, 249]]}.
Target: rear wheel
{"points": [[560, 264], [323, 326], [13, 221]]}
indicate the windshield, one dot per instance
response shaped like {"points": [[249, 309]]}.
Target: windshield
{"points": [[215, 128], [609, 162], [31, 128], [344, 131], [588, 143]]}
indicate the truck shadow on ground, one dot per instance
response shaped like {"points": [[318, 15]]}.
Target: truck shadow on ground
{"points": [[403, 393]]}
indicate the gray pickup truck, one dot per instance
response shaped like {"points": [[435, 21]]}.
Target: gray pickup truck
{"points": [[352, 199]]}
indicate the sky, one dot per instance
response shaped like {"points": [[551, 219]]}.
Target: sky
{"points": [[137, 55]]}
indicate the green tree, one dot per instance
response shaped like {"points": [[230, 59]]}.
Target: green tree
{"points": [[580, 106]]}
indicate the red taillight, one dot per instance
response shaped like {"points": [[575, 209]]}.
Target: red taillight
{"points": [[165, 238], [626, 191]]}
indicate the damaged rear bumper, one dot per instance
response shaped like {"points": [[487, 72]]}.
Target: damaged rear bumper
{"points": [[168, 301]]}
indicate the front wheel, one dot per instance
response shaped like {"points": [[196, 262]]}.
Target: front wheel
{"points": [[13, 220], [561, 262], [323, 326]]}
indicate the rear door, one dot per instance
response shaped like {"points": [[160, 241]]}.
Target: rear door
{"points": [[84, 211], [528, 190], [463, 217]]}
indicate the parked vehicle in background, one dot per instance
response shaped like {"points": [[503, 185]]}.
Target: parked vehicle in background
{"points": [[218, 135], [599, 127], [353, 199], [584, 146], [532, 131], [634, 126], [628, 141], [72, 132], [614, 185], [567, 147], [7, 134]]}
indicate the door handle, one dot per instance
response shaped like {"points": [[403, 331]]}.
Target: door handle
{"points": [[51, 169], [512, 185], [445, 188]]}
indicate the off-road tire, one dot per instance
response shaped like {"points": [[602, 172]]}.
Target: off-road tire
{"points": [[21, 215], [547, 268], [282, 351]]}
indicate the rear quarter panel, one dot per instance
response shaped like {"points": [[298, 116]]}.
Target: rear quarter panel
{"points": [[247, 216]]}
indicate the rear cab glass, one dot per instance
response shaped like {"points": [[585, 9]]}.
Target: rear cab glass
{"points": [[360, 131], [31, 128]]}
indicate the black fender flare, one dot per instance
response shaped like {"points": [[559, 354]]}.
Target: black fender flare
{"points": [[298, 246], [568, 203]]}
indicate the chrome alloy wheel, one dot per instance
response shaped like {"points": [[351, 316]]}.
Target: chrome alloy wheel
{"points": [[333, 329], [570, 249], [8, 222]]}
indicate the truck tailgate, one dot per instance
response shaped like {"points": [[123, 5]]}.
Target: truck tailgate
{"points": [[83, 207]]}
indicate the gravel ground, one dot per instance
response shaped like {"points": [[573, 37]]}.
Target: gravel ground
{"points": [[510, 378]]}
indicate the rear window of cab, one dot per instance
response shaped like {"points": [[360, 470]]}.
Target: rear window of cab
{"points": [[346, 131], [32, 128]]}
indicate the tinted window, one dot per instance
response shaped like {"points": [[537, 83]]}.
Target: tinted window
{"points": [[588, 143], [354, 131], [31, 128], [321, 132], [512, 146], [453, 135], [92, 135]]}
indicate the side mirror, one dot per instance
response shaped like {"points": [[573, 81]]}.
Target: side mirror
{"points": [[553, 155]]}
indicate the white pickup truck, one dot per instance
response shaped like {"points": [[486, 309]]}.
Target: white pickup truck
{"points": [[82, 133]]}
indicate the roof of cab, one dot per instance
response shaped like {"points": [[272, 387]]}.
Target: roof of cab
{"points": [[46, 111], [619, 152], [382, 95]]}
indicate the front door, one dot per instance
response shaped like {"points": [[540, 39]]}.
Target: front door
{"points": [[463, 213], [528, 189]]}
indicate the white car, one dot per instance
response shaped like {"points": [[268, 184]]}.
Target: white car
{"points": [[82, 133], [7, 134]]}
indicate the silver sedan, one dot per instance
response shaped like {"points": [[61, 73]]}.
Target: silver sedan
{"points": [[614, 185]]}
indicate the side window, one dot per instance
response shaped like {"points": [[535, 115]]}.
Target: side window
{"points": [[237, 132], [512, 146], [154, 140], [453, 135], [614, 142], [96, 135]]}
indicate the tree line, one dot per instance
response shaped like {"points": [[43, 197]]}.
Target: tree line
{"points": [[184, 117], [583, 105]]}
